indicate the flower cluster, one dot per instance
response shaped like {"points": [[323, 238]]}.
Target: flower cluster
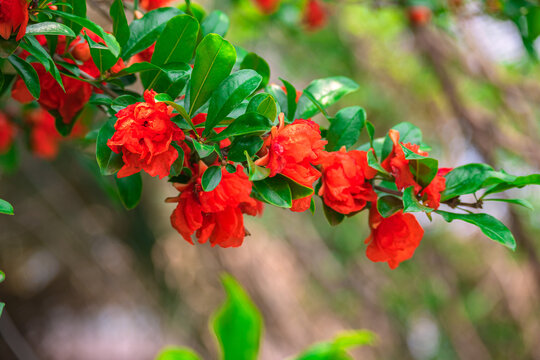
{"points": [[13, 18]]}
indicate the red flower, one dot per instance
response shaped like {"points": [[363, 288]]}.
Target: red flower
{"points": [[44, 139], [291, 150], [393, 239], [7, 133], [215, 215], [315, 15], [267, 6], [13, 16], [153, 4], [344, 187], [144, 133]]}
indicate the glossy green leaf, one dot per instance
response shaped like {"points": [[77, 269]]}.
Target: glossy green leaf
{"points": [[298, 190], [32, 45], [214, 60], [230, 93], [123, 101], [120, 23], [424, 170], [411, 203], [251, 144], [237, 324], [109, 39], [274, 191], [332, 216], [345, 128], [211, 178], [250, 123], [336, 349], [465, 179], [108, 161], [263, 104], [145, 31], [49, 28], [374, 164], [490, 226], [101, 55], [130, 190], [408, 133], [177, 353], [521, 202], [216, 22], [388, 205], [5, 208], [326, 91], [290, 92], [27, 73], [203, 150], [255, 172], [77, 8], [516, 182], [257, 63]]}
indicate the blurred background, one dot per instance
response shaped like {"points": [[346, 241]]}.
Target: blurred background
{"points": [[86, 279]]}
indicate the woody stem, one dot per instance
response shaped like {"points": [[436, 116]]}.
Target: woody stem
{"points": [[388, 191]]}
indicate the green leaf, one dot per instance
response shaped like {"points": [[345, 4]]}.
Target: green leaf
{"points": [[176, 353], [326, 91], [517, 182], [216, 22], [371, 132], [109, 39], [230, 93], [203, 150], [211, 178], [9, 160], [257, 63], [108, 161], [251, 144], [408, 133], [490, 226], [424, 170], [466, 179], [1, 308], [411, 155], [334, 218], [27, 73], [345, 128], [123, 101], [374, 164], [176, 44], [120, 23], [130, 190], [336, 349], [49, 28], [263, 104], [274, 191], [214, 60], [32, 45], [145, 31], [255, 172], [77, 8], [291, 99], [521, 202], [388, 205], [237, 324], [411, 203], [101, 55], [2, 276], [249, 123], [298, 190], [5, 208]]}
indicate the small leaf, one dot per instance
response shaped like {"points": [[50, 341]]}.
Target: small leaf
{"points": [[374, 164], [274, 191], [257, 63], [108, 161], [490, 226], [263, 104], [424, 170], [216, 22], [214, 60], [237, 324], [211, 178], [388, 205], [298, 190], [123, 101], [27, 73], [101, 55], [465, 179], [250, 123], [291, 100], [5, 208], [49, 28], [203, 150], [326, 91], [230, 93], [334, 218], [411, 203], [345, 128], [521, 202], [176, 353], [130, 190], [256, 173], [2, 276], [251, 144]]}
